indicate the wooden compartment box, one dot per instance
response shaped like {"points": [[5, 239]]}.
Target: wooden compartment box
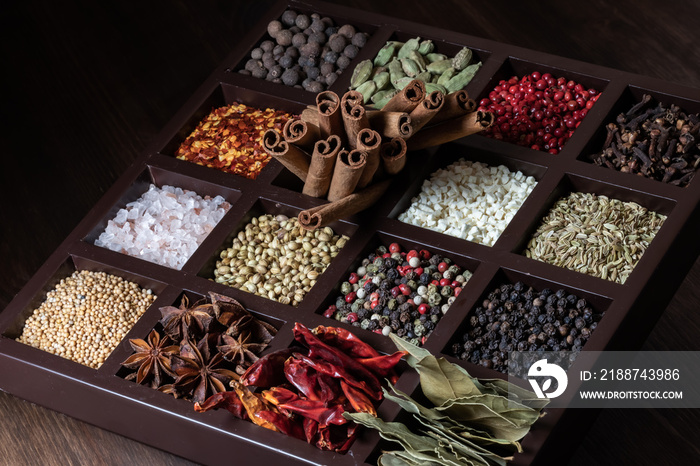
{"points": [[631, 309]]}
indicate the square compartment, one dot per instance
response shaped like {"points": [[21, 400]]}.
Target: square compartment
{"points": [[343, 78], [160, 177], [386, 239], [269, 207], [519, 67], [125, 351], [447, 47], [450, 153], [630, 97], [15, 325], [504, 276], [573, 183], [223, 95]]}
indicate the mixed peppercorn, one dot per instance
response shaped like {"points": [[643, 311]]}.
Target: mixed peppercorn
{"points": [[514, 317], [404, 292]]}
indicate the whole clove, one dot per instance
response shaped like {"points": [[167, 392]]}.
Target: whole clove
{"points": [[659, 142]]}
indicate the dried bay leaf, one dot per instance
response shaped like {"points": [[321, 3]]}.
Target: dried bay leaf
{"points": [[421, 447], [493, 414]]}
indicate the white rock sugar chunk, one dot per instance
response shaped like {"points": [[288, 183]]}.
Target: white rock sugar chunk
{"points": [[165, 225], [469, 200]]}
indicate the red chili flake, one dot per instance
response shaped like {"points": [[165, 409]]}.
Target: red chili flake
{"points": [[230, 139]]}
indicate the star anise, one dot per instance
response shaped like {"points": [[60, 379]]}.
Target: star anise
{"points": [[198, 373], [239, 321], [240, 351], [152, 359], [185, 321]]}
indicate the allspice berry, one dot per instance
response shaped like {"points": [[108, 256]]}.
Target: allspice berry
{"points": [[337, 42], [303, 22], [289, 17], [347, 30], [273, 27], [284, 37]]}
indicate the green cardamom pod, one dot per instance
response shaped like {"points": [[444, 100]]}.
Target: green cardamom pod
{"points": [[431, 57], [446, 76], [361, 73], [367, 89], [409, 67], [380, 103], [439, 67], [462, 59], [385, 94], [424, 76], [382, 80], [395, 70], [426, 47], [378, 69], [385, 54], [401, 83], [431, 87], [461, 79], [411, 44], [418, 58]]}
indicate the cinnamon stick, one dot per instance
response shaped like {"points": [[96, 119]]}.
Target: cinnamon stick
{"points": [[320, 216], [407, 99], [370, 142], [426, 110], [354, 116], [321, 168], [330, 120], [456, 104], [289, 155], [300, 133], [451, 129], [390, 124], [346, 173], [393, 155], [310, 115]]}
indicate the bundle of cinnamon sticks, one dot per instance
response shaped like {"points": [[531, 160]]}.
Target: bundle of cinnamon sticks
{"points": [[347, 153]]}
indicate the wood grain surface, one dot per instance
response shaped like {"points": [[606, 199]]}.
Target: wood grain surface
{"points": [[88, 84]]}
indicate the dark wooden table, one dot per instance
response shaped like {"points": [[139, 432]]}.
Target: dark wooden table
{"points": [[88, 84]]}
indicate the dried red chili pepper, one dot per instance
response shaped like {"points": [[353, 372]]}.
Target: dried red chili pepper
{"points": [[328, 387], [345, 340], [283, 423], [382, 365], [358, 400], [227, 400], [337, 438], [279, 395], [335, 356], [254, 404], [317, 410], [267, 371], [310, 429], [340, 373], [302, 377]]}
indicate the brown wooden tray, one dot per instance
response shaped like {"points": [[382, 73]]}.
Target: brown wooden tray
{"points": [[631, 309]]}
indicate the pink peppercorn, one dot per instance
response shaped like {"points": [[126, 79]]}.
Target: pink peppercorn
{"points": [[330, 311], [537, 110]]}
